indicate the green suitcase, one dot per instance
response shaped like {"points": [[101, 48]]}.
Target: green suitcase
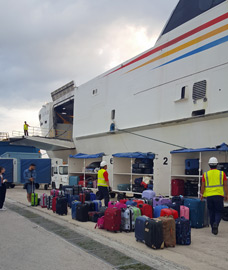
{"points": [[34, 199], [136, 211]]}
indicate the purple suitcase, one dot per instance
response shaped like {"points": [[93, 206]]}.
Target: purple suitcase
{"points": [[148, 194], [160, 201]]}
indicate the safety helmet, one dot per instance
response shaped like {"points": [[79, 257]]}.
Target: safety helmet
{"points": [[213, 161], [103, 163]]}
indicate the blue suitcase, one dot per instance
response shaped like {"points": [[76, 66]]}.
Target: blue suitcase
{"points": [[71, 198], [196, 212], [124, 187], [157, 210], [183, 231], [98, 205], [73, 180], [140, 228], [131, 203], [73, 209], [92, 197]]}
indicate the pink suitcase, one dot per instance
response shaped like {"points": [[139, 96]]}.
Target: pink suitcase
{"points": [[112, 204], [184, 211], [43, 200], [120, 205]]}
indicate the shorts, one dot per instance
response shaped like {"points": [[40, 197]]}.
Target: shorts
{"points": [[30, 188]]}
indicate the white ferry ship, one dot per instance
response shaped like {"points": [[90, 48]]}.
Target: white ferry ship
{"points": [[171, 96]]}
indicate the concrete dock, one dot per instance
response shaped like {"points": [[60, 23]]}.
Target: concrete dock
{"points": [[97, 248]]}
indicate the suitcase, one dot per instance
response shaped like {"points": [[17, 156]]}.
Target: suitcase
{"points": [[49, 202], [139, 202], [140, 228], [137, 171], [68, 191], [169, 231], [138, 189], [73, 208], [153, 234], [91, 206], [148, 171], [43, 200], [77, 190], [102, 210], [97, 205], [82, 197], [73, 180], [149, 194], [120, 205], [34, 199], [150, 186], [72, 198], [138, 181], [178, 200], [124, 187], [64, 187], [137, 212], [87, 194], [61, 206], [135, 166], [82, 183], [174, 206], [157, 210], [131, 203], [169, 212], [111, 204], [123, 201], [54, 204], [184, 211], [82, 212], [177, 187], [93, 216], [191, 189], [183, 231], [192, 166], [160, 201], [127, 220], [146, 210], [92, 196], [196, 212], [223, 167], [112, 219]]}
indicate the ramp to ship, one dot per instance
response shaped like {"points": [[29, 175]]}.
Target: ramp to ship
{"points": [[44, 143]]}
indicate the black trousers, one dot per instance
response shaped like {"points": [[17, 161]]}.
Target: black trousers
{"points": [[104, 194], [2, 195], [215, 206]]}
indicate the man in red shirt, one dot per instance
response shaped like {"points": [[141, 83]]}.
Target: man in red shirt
{"points": [[103, 182]]}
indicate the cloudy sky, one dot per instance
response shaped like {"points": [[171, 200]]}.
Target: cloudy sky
{"points": [[44, 44]]}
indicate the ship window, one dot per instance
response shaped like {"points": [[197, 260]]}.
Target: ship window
{"points": [[113, 114], [94, 92], [198, 113], [199, 90], [39, 116], [45, 122], [183, 92]]}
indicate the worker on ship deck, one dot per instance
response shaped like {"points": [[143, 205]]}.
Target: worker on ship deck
{"points": [[214, 188], [103, 182], [26, 129]]}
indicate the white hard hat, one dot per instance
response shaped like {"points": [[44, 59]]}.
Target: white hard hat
{"points": [[103, 163], [213, 161]]}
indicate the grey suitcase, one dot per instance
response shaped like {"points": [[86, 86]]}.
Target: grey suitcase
{"points": [[127, 219]]}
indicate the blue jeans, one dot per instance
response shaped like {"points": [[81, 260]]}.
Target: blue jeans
{"points": [[104, 194], [215, 207]]}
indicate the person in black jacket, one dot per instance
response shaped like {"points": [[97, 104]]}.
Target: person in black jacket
{"points": [[2, 189]]}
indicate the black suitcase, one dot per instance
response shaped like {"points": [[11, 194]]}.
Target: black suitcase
{"points": [[66, 186], [138, 189], [82, 212], [91, 206], [77, 190], [61, 206], [225, 214], [148, 171], [137, 171], [183, 231], [49, 202], [153, 234]]}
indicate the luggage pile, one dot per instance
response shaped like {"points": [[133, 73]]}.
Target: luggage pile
{"points": [[143, 166], [142, 183], [90, 181]]}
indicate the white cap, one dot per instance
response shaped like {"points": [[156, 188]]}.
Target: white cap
{"points": [[103, 163], [213, 161]]}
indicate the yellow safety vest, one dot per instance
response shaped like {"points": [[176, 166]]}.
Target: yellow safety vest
{"points": [[25, 127], [213, 183], [100, 179]]}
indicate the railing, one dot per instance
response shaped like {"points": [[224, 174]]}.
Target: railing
{"points": [[4, 136], [47, 133]]}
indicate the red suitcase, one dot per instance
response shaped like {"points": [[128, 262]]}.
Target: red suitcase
{"points": [[82, 183], [138, 202], [82, 197], [166, 212], [146, 210], [123, 201], [112, 219], [177, 187], [54, 204]]}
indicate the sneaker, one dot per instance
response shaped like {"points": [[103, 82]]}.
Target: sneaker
{"points": [[3, 209], [215, 229]]}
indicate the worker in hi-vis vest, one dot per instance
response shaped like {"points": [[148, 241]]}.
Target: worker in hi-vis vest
{"points": [[214, 188], [103, 182], [26, 128]]}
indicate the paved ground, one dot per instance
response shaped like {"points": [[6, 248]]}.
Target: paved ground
{"points": [[206, 251]]}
